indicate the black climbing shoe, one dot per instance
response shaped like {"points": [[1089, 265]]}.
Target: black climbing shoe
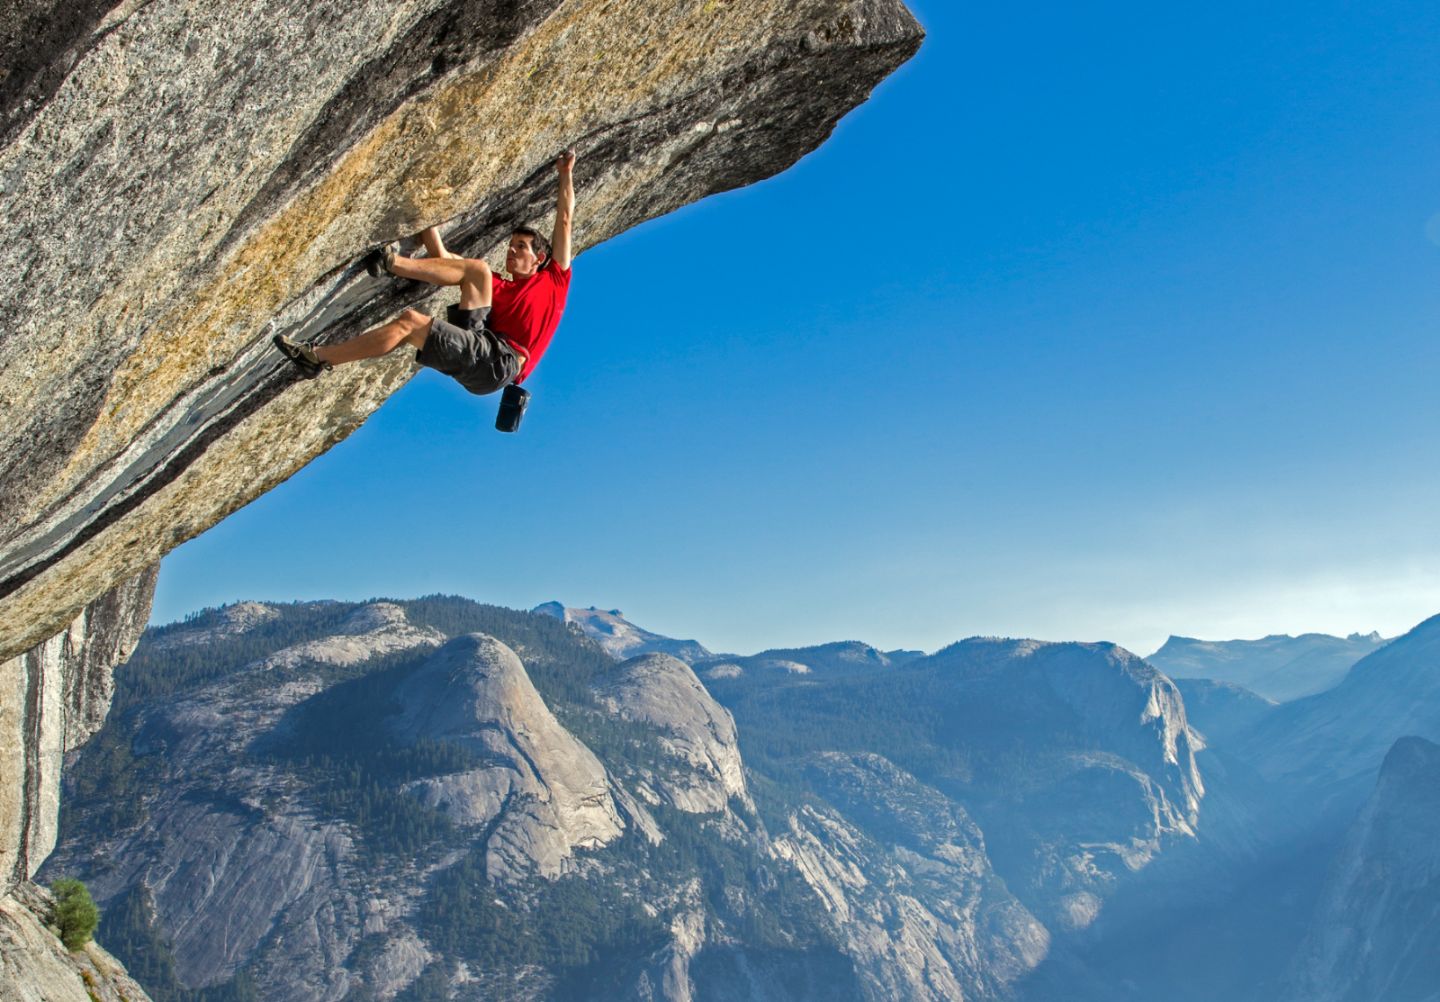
{"points": [[378, 261], [302, 355]]}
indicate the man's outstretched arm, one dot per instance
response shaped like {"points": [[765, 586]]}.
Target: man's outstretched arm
{"points": [[564, 211]]}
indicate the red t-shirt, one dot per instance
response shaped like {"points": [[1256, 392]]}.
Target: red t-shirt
{"points": [[526, 313]]}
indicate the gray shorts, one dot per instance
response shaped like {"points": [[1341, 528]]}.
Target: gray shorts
{"points": [[476, 358]]}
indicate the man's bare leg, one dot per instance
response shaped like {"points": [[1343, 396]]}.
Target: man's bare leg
{"points": [[411, 327], [472, 275], [434, 246]]}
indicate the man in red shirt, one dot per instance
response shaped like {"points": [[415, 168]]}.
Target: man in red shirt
{"points": [[499, 329]]}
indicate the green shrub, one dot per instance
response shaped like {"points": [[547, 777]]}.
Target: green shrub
{"points": [[75, 914]]}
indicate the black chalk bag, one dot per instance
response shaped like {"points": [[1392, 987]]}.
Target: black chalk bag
{"points": [[512, 408]]}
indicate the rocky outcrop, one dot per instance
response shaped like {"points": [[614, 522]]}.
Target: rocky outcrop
{"points": [[1376, 933], [697, 732], [230, 621], [543, 792], [180, 179], [666, 975], [54, 697], [619, 637], [36, 967]]}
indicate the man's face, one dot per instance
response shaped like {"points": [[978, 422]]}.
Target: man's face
{"points": [[521, 260]]}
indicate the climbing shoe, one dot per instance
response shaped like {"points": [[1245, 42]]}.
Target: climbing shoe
{"points": [[302, 355], [378, 261]]}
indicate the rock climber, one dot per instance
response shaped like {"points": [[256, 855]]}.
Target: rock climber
{"points": [[500, 328]]}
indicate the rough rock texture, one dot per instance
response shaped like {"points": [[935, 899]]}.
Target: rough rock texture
{"points": [[545, 793], [53, 698], [1376, 934], [904, 872], [36, 967], [225, 873], [179, 178], [667, 974], [402, 960], [697, 731]]}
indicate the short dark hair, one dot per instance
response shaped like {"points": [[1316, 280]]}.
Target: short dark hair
{"points": [[538, 244]]}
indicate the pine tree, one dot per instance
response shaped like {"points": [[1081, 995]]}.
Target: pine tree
{"points": [[75, 913]]}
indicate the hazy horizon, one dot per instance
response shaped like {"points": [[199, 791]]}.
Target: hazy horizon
{"points": [[166, 612]]}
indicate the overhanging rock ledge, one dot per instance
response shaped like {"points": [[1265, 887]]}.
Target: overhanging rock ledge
{"points": [[179, 179]]}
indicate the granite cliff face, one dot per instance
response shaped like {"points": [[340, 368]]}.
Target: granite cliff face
{"points": [[697, 732], [904, 872], [251, 858], [540, 791], [229, 846], [179, 179], [223, 848], [54, 697]]}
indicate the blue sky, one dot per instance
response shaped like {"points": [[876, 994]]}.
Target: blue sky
{"points": [[1097, 324]]}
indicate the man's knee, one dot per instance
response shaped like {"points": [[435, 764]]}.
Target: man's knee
{"points": [[477, 286], [417, 328]]}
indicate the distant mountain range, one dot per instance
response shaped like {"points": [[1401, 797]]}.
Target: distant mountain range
{"points": [[432, 799], [1277, 667]]}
